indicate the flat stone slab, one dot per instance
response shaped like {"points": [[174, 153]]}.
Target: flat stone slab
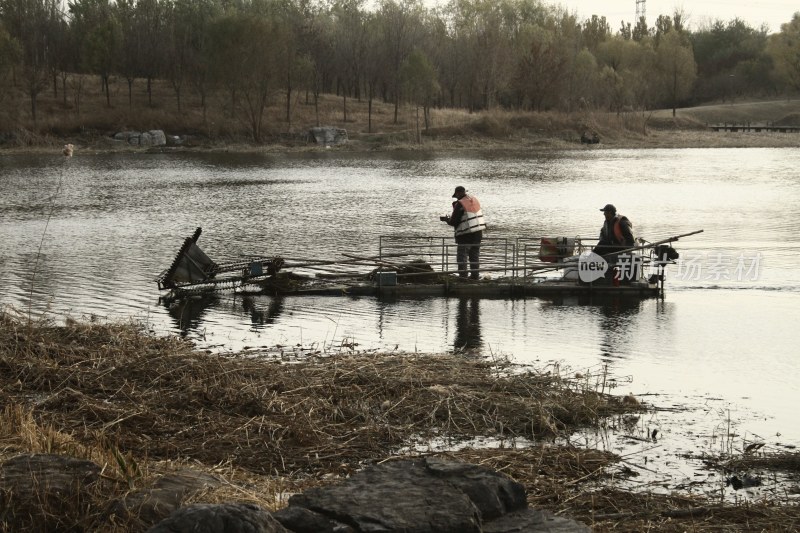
{"points": [[219, 518], [421, 496]]}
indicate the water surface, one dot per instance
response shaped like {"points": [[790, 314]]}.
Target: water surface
{"points": [[88, 236]]}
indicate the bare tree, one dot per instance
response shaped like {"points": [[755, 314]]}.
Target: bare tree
{"points": [[250, 63], [784, 48], [30, 23], [151, 33], [320, 54], [9, 57], [419, 80], [676, 67], [350, 42], [399, 23], [130, 59], [95, 24], [541, 67]]}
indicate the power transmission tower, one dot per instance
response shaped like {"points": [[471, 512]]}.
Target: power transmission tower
{"points": [[641, 10]]}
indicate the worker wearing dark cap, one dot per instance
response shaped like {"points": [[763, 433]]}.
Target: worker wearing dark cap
{"points": [[468, 222], [616, 233]]}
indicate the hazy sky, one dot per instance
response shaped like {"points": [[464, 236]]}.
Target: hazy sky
{"points": [[699, 12]]}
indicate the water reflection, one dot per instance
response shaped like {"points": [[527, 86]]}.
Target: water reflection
{"points": [[468, 326], [260, 317], [187, 312], [617, 316]]}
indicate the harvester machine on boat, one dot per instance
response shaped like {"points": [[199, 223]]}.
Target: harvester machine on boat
{"points": [[193, 270]]}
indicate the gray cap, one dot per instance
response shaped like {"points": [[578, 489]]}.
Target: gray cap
{"points": [[609, 207], [459, 190]]}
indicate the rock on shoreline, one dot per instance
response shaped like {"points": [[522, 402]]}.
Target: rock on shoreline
{"points": [[424, 495]]}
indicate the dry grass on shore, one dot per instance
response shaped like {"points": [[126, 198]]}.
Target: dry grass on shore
{"points": [[90, 126], [141, 406], [162, 394]]}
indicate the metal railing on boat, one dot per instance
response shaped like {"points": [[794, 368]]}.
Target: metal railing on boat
{"points": [[497, 254], [520, 257]]}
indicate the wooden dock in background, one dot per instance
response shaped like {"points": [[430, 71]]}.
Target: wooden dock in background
{"points": [[747, 126]]}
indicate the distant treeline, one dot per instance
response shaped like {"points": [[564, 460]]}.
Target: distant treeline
{"points": [[471, 54]]}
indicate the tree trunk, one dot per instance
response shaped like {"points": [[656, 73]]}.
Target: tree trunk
{"points": [[33, 107], [107, 89], [288, 97], [419, 137], [316, 106], [674, 91]]}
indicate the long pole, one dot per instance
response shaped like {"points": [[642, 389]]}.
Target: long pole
{"points": [[389, 264], [653, 244]]}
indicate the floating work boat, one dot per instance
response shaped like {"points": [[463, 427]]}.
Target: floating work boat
{"points": [[418, 266]]}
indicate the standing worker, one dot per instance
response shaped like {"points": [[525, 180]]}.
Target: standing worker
{"points": [[467, 219]]}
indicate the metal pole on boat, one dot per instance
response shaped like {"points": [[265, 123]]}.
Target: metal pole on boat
{"points": [[498, 269], [653, 244], [390, 264]]}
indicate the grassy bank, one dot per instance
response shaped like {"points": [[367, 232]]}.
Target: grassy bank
{"points": [[214, 127], [142, 406]]}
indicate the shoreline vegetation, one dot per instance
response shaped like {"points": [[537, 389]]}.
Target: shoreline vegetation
{"points": [[482, 134], [374, 128], [143, 406]]}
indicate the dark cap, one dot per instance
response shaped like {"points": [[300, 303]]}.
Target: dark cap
{"points": [[609, 207], [459, 190]]}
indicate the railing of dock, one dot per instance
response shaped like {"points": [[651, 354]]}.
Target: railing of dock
{"points": [[753, 127]]}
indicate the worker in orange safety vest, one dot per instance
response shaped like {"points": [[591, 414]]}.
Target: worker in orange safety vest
{"points": [[468, 222]]}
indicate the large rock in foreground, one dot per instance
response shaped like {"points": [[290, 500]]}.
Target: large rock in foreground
{"points": [[420, 496], [426, 495], [219, 518]]}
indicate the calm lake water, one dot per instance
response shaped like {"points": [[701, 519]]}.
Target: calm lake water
{"points": [[88, 236]]}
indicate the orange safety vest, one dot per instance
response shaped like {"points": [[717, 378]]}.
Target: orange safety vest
{"points": [[472, 221], [618, 236]]}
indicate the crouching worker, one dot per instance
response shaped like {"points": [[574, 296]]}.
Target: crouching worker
{"points": [[616, 235], [468, 223]]}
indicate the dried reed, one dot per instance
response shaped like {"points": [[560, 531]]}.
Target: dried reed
{"points": [[141, 405]]}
